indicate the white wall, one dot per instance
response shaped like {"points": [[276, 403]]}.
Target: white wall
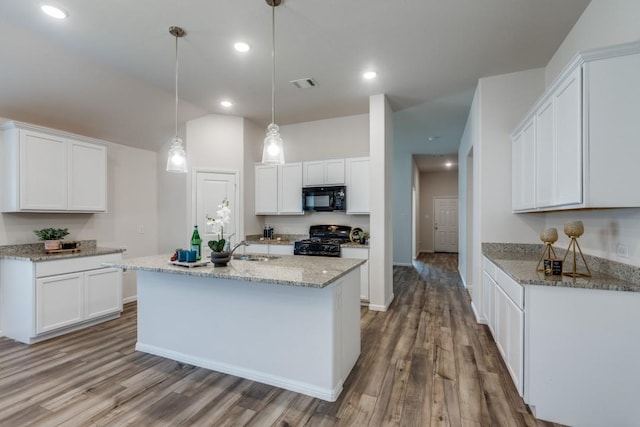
{"points": [[337, 138], [172, 215], [468, 217], [504, 100], [131, 221], [326, 139], [603, 23], [499, 104], [445, 118], [253, 140], [415, 184], [213, 142], [380, 249], [433, 184]]}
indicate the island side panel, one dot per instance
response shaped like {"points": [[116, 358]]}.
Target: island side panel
{"points": [[287, 336]]}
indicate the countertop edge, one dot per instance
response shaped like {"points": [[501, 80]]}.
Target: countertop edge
{"points": [[593, 283], [52, 257], [209, 271]]}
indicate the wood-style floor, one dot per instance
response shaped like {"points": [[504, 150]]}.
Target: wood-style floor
{"points": [[425, 362]]}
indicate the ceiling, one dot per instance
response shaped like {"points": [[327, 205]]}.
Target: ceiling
{"points": [[107, 71], [436, 162]]}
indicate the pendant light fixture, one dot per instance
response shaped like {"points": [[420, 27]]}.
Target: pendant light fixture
{"points": [[273, 152], [177, 158]]}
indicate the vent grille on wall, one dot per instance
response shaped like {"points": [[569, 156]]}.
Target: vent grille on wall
{"points": [[305, 83]]}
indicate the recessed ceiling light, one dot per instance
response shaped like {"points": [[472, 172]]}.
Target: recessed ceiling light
{"points": [[434, 138], [370, 75], [242, 47], [448, 164], [226, 104], [53, 11]]}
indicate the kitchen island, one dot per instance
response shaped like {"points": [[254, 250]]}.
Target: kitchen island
{"points": [[288, 321]]}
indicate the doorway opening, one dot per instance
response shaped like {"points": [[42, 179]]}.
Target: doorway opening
{"points": [[438, 180]]}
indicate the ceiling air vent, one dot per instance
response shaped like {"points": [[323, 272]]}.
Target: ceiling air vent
{"points": [[306, 83]]}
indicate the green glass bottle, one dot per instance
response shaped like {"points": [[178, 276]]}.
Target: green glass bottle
{"points": [[196, 242]]}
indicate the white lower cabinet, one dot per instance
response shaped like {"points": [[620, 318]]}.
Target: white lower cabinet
{"points": [[280, 249], [103, 292], [59, 301], [269, 249], [360, 253], [503, 309], [489, 300], [44, 299]]}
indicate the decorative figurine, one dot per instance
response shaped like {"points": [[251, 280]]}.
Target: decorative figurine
{"points": [[549, 237], [573, 230]]}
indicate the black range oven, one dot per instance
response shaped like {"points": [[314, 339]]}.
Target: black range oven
{"points": [[324, 240]]}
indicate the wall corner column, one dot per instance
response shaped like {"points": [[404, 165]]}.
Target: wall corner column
{"points": [[381, 225]]}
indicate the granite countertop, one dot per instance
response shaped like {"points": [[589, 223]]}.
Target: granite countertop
{"points": [[312, 272], [284, 239], [354, 245], [290, 239], [35, 251], [520, 261]]}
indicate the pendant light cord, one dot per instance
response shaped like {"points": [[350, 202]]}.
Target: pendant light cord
{"points": [[273, 61], [176, 85]]}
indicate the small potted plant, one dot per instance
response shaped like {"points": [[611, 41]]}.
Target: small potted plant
{"points": [[219, 257], [51, 237]]}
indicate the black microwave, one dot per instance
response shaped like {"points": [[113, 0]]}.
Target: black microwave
{"points": [[324, 198]]}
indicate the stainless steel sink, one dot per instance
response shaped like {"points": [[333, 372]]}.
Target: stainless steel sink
{"points": [[251, 257]]}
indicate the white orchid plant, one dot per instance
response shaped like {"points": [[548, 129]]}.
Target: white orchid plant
{"points": [[223, 217]]}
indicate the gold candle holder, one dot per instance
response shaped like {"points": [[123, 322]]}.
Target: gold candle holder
{"points": [[549, 237], [574, 230]]}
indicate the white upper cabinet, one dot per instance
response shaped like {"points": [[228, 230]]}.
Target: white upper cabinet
{"points": [[523, 185], [612, 97], [87, 174], [46, 171], [567, 103], [290, 189], [313, 173], [42, 170], [266, 198], [544, 160], [358, 187], [585, 140], [324, 172], [278, 189]]}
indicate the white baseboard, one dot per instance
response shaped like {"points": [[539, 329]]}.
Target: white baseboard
{"points": [[403, 264], [130, 299], [262, 377], [385, 307]]}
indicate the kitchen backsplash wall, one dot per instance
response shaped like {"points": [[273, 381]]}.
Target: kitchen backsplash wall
{"points": [[300, 224], [604, 230]]}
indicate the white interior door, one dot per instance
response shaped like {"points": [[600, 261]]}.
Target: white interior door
{"points": [[445, 224], [211, 188]]}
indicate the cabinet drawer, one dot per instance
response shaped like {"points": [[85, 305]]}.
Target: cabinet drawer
{"points": [[512, 288], [357, 253], [489, 267], [71, 265]]}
